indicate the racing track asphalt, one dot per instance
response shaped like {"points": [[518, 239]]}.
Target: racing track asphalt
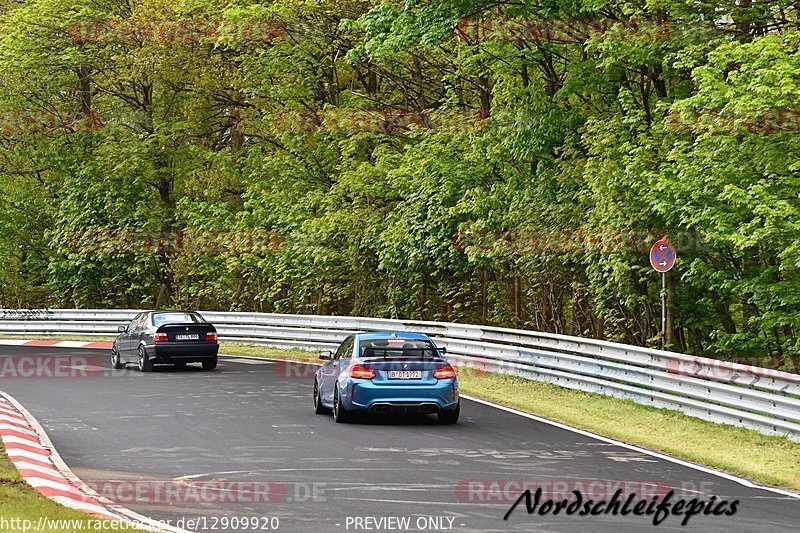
{"points": [[252, 421]]}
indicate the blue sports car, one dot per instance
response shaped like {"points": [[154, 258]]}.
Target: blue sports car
{"points": [[387, 372]]}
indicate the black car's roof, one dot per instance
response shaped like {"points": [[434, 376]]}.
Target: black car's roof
{"points": [[200, 319]]}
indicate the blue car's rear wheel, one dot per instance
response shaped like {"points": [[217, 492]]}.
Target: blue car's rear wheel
{"points": [[340, 414], [318, 407], [450, 416]]}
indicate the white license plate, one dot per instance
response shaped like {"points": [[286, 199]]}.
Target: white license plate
{"points": [[187, 337], [405, 374]]}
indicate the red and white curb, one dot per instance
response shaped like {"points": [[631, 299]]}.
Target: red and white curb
{"points": [[33, 459], [103, 345], [32, 453]]}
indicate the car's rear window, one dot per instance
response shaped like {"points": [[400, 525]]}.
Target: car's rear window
{"points": [[159, 319], [397, 347]]}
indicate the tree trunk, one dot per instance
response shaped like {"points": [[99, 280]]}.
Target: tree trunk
{"points": [[484, 297], [237, 129], [320, 299], [423, 299], [599, 328]]}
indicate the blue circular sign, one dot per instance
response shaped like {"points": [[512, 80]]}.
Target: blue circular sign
{"points": [[662, 256]]}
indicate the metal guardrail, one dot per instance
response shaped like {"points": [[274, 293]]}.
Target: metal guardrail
{"points": [[747, 396]]}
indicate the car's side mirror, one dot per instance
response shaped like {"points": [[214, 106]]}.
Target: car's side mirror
{"points": [[326, 355], [122, 329], [443, 350]]}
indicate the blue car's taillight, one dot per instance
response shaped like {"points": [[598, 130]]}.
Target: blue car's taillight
{"points": [[361, 372], [446, 372]]}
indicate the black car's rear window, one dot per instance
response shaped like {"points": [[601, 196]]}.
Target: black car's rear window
{"points": [[397, 347], [159, 319]]}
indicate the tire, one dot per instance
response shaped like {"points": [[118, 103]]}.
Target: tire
{"points": [[145, 364], [116, 361], [450, 416], [210, 364], [180, 366], [340, 414], [318, 407]]}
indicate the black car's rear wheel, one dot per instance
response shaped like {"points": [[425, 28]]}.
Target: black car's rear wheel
{"points": [[318, 407], [116, 362], [210, 364], [145, 364], [180, 365], [450, 417]]}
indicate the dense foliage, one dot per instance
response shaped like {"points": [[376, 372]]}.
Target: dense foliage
{"points": [[560, 149]]}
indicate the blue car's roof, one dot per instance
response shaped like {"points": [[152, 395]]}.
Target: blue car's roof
{"points": [[399, 334]]}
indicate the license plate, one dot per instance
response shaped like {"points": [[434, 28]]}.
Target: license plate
{"points": [[405, 374], [187, 337]]}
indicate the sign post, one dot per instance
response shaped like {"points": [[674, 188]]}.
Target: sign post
{"points": [[662, 259]]}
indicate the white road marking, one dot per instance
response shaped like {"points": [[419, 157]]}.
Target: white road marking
{"points": [[233, 359], [704, 469]]}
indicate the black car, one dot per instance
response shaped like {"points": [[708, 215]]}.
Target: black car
{"points": [[166, 337]]}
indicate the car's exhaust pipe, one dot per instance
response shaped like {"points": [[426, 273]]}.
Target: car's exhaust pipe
{"points": [[428, 408], [423, 408]]}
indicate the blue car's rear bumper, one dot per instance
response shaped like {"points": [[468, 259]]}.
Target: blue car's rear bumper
{"points": [[364, 395]]}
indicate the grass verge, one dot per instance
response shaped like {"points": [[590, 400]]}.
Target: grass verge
{"points": [[746, 453], [21, 503]]}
